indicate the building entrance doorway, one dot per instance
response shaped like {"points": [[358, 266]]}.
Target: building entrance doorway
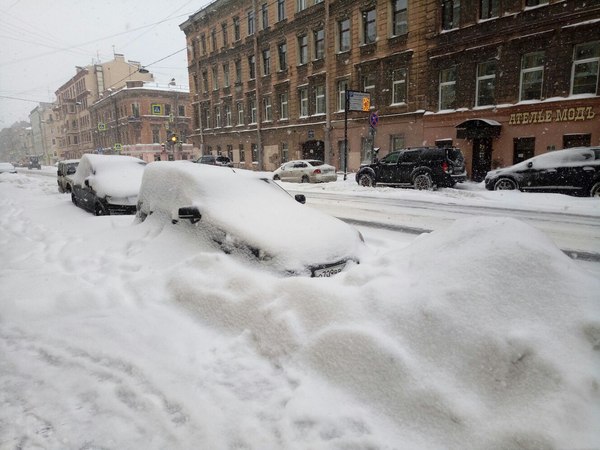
{"points": [[313, 150], [482, 158]]}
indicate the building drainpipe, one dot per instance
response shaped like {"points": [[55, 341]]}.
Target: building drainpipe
{"points": [[328, 151], [257, 90]]}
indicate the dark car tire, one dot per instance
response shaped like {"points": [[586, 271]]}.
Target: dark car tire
{"points": [[366, 180], [505, 184], [595, 190], [423, 181], [99, 210], [74, 199], [304, 179]]}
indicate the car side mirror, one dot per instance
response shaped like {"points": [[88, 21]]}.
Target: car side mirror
{"points": [[190, 212], [529, 164], [300, 198], [87, 183]]}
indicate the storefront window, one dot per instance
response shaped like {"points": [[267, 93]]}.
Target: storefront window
{"points": [[524, 148]]}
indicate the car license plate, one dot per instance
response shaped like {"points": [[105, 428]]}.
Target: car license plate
{"points": [[330, 271]]}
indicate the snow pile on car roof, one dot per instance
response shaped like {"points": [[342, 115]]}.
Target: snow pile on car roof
{"points": [[113, 175]]}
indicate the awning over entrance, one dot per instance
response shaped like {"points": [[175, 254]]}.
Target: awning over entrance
{"points": [[478, 128]]}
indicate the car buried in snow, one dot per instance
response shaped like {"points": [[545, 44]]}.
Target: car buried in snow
{"points": [[305, 171], [573, 171], [247, 215], [107, 184], [64, 174]]}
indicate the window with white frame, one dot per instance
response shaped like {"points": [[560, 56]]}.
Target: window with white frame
{"points": [[207, 117], [586, 60], [268, 114], [215, 77], [368, 83], [486, 83], [532, 76], [266, 61], [282, 54], [264, 11], [320, 105], [303, 101], [302, 49], [240, 113], [369, 23], [344, 35], [224, 34], [227, 110], [399, 86], [341, 89], [396, 142], [450, 14], [300, 5], [447, 92], [254, 150], [253, 115], [236, 29], [399, 17], [280, 10], [226, 75], [283, 106], [489, 9], [238, 71], [319, 40], [252, 67], [250, 23], [218, 116], [284, 152]]}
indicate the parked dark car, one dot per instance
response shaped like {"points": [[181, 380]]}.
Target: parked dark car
{"points": [[421, 168], [573, 171], [34, 163], [213, 160], [107, 184]]}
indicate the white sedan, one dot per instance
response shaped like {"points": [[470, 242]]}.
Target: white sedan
{"points": [[247, 216], [305, 171]]}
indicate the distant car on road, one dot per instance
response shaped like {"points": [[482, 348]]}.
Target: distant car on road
{"points": [[305, 171], [7, 168], [107, 184], [64, 174], [213, 160], [253, 219], [573, 171], [420, 168], [34, 163]]}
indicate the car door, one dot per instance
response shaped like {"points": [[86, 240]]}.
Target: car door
{"points": [[286, 171], [576, 171], [387, 169], [299, 169], [406, 165]]}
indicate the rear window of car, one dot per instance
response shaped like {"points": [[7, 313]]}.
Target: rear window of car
{"points": [[315, 162], [454, 154]]}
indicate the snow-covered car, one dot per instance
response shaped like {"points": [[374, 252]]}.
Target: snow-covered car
{"points": [[7, 168], [252, 218], [34, 163], [305, 171], [64, 174], [107, 184], [574, 171]]}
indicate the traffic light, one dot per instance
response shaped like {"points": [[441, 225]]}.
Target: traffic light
{"points": [[174, 139]]}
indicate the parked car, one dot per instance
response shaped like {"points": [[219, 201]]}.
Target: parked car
{"points": [[7, 168], [107, 184], [253, 218], [421, 168], [574, 171], [213, 160], [64, 174], [34, 163], [305, 171]]}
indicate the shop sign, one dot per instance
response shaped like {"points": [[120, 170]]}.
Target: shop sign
{"points": [[553, 115]]}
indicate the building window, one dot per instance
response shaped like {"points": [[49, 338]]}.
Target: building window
{"points": [[237, 35], [252, 67], [230, 152], [181, 110], [217, 116], [215, 77], [135, 109], [250, 23], [203, 43], [301, 5], [319, 38], [207, 117], [242, 154], [447, 98], [224, 33], [240, 113], [303, 98], [285, 153], [586, 60], [368, 84], [254, 149], [213, 39], [320, 104], [266, 61], [489, 9], [523, 148], [344, 35], [155, 136], [302, 49], [532, 76], [450, 14], [282, 52], [238, 71], [535, 2], [283, 106], [253, 116], [341, 89], [396, 142], [226, 75], [280, 10], [227, 109], [576, 140], [486, 79], [264, 11], [268, 113], [369, 26], [205, 81], [399, 17], [399, 86]]}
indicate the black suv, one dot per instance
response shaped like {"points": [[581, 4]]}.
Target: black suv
{"points": [[421, 168]]}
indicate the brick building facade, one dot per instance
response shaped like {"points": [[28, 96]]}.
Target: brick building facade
{"points": [[267, 78]]}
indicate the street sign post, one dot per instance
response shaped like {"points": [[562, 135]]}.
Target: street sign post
{"points": [[355, 101]]}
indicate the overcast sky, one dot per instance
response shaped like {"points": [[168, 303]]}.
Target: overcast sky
{"points": [[42, 41]]}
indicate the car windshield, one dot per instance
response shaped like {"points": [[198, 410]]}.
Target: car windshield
{"points": [[314, 162]]}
